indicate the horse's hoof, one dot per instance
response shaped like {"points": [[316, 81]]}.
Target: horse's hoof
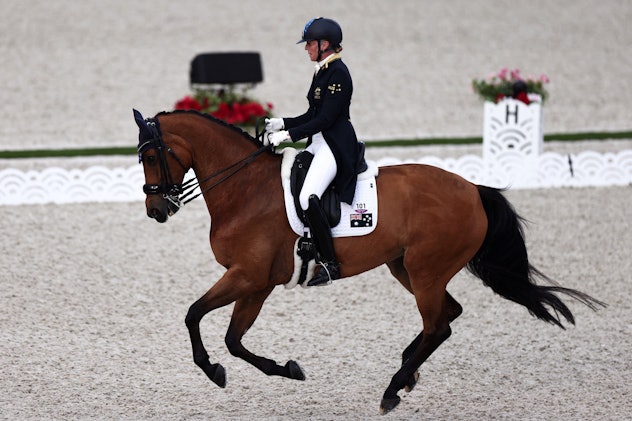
{"points": [[388, 404], [412, 382], [295, 370], [218, 375]]}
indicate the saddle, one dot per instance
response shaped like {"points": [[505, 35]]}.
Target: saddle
{"points": [[330, 200], [359, 220]]}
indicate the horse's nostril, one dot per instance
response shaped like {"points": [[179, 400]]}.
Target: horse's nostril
{"points": [[157, 215]]}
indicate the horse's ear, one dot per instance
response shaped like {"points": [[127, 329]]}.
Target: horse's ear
{"points": [[142, 126], [140, 121]]}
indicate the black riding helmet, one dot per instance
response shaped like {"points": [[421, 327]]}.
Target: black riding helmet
{"points": [[322, 28]]}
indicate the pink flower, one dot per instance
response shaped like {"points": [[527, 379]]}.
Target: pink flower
{"points": [[515, 74], [544, 78], [503, 73]]}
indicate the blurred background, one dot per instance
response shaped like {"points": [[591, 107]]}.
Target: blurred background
{"points": [[71, 71]]}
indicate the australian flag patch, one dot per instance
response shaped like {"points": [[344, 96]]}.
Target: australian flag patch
{"points": [[360, 220]]}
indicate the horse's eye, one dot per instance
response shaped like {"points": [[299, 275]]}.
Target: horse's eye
{"points": [[151, 159]]}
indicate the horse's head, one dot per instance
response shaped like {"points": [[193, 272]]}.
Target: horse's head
{"points": [[164, 165]]}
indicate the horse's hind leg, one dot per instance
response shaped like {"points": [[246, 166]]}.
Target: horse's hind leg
{"points": [[454, 310], [437, 309], [244, 314], [398, 270]]}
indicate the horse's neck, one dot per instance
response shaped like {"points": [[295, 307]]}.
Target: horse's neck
{"points": [[212, 145], [221, 153]]}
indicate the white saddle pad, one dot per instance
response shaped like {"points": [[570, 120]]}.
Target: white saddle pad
{"points": [[357, 219]]}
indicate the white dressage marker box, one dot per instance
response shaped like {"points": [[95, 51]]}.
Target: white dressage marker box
{"points": [[512, 128]]}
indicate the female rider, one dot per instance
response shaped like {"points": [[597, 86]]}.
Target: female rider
{"points": [[331, 137]]}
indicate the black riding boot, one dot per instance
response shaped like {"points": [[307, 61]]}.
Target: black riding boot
{"points": [[321, 233]]}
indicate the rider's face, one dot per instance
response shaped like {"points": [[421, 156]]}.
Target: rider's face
{"points": [[312, 48]]}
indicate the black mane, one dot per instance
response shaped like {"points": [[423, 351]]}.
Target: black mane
{"points": [[236, 129]]}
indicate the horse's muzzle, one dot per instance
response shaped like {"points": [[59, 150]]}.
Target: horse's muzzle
{"points": [[157, 208], [157, 214], [162, 207]]}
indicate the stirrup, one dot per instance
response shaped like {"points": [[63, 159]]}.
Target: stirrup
{"points": [[327, 273]]}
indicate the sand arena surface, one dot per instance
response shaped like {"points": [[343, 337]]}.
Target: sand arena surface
{"points": [[94, 298], [94, 295]]}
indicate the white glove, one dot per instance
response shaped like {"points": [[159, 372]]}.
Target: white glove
{"points": [[275, 138], [274, 124]]}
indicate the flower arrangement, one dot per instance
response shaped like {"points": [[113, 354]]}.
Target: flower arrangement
{"points": [[233, 108], [509, 83]]}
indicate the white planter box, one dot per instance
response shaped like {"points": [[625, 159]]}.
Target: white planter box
{"points": [[512, 129]]}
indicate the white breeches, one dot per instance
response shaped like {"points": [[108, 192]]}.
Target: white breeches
{"points": [[322, 171]]}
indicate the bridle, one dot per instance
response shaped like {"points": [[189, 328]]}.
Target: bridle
{"points": [[179, 194]]}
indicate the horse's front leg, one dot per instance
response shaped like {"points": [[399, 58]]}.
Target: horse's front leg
{"points": [[244, 314], [225, 291]]}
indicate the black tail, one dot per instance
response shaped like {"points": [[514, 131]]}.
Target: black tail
{"points": [[503, 265]]}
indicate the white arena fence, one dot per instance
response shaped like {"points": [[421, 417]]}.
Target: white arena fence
{"points": [[512, 157], [102, 184]]}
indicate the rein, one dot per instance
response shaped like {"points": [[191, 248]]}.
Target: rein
{"points": [[189, 186], [178, 194]]}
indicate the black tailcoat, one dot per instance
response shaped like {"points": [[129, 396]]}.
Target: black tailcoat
{"points": [[329, 100]]}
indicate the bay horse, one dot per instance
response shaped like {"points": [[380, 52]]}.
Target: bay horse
{"points": [[432, 223]]}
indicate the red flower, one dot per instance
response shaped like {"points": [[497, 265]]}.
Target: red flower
{"points": [[188, 103], [223, 112], [522, 96], [231, 109]]}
